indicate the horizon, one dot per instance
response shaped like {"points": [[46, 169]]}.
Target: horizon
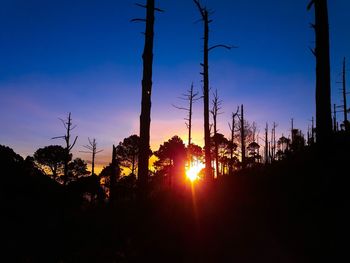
{"points": [[92, 55]]}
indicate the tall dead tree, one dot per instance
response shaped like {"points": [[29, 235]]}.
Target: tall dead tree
{"points": [[344, 93], [190, 97], [291, 131], [215, 111], [232, 129], [205, 18], [92, 149], [323, 80], [273, 142], [242, 138], [69, 146], [145, 117], [267, 144], [334, 117], [113, 176]]}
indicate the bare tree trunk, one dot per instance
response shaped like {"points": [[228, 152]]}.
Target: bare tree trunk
{"points": [[266, 144], [323, 85], [68, 126], [113, 179], [205, 18], [215, 112], [92, 149], [145, 117], [191, 97], [133, 165], [345, 109], [242, 138], [208, 167], [334, 118], [232, 129]]}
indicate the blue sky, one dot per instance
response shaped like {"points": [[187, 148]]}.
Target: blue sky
{"points": [[84, 57]]}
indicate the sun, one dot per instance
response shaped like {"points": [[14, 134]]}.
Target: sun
{"points": [[192, 173]]}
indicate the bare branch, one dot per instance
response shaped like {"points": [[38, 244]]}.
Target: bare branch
{"points": [[141, 5], [313, 51], [88, 147], [158, 9], [312, 25], [201, 9], [58, 137], [64, 123], [223, 46], [180, 108], [310, 4], [138, 20], [75, 140]]}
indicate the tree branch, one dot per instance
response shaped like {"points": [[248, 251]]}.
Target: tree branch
{"points": [[310, 4], [223, 46], [138, 20]]}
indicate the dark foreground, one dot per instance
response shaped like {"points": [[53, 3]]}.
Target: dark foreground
{"points": [[291, 211]]}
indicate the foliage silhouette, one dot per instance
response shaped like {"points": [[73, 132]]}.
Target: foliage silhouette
{"points": [[171, 159], [128, 151], [51, 160]]}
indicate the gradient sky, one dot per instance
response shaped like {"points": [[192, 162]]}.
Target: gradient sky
{"points": [[84, 57]]}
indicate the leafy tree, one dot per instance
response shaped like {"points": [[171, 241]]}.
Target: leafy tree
{"points": [[171, 157], [77, 168], [219, 148], [195, 151], [108, 172], [298, 142], [10, 162], [51, 159], [253, 151], [128, 151]]}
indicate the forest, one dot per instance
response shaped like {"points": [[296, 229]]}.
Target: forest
{"points": [[245, 196]]}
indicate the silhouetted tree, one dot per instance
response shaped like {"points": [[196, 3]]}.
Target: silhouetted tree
{"points": [[267, 159], [76, 169], [215, 111], [205, 18], [283, 145], [69, 127], [145, 117], [110, 175], [195, 151], [298, 142], [220, 149], [92, 149], [128, 151], [190, 97], [253, 152], [323, 82], [243, 136], [273, 142], [171, 158], [51, 160], [232, 145], [344, 93]]}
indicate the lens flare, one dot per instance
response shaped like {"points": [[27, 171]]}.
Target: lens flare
{"points": [[192, 173]]}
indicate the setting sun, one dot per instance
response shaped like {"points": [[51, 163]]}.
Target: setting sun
{"points": [[192, 173]]}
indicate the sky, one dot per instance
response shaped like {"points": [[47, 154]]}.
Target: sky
{"points": [[84, 57]]}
